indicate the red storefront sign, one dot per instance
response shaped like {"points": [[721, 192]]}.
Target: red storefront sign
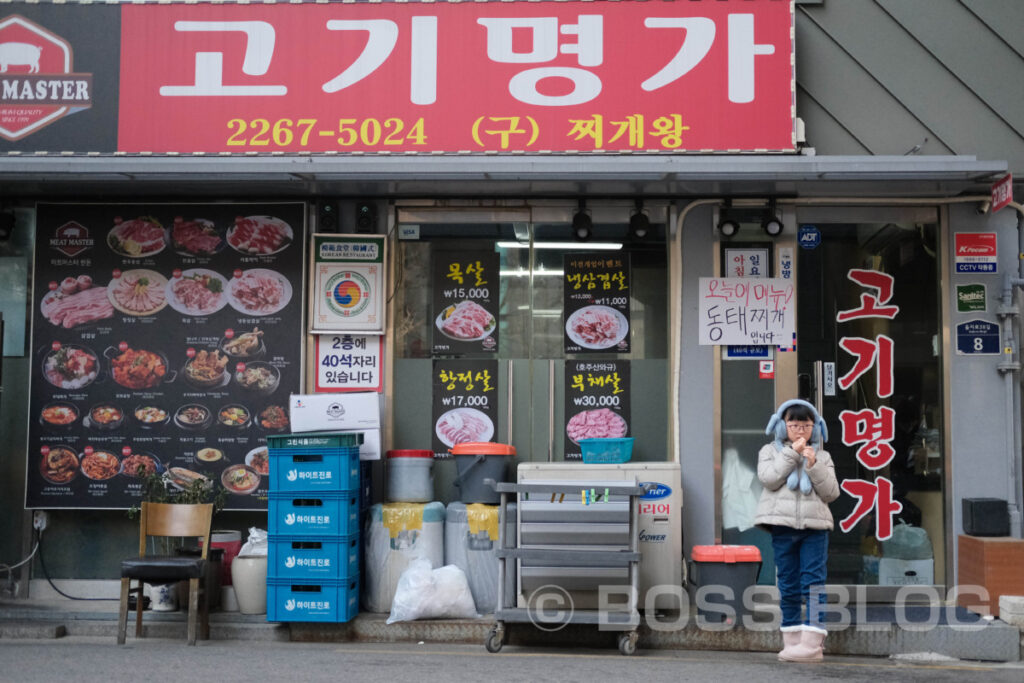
{"points": [[1002, 192], [504, 77]]}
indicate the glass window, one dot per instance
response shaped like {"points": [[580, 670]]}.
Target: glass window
{"points": [[531, 353]]}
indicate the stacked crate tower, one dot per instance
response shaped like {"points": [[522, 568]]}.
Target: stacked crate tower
{"points": [[313, 527]]}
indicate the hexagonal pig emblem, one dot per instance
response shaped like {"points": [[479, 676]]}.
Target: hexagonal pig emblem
{"points": [[37, 83]]}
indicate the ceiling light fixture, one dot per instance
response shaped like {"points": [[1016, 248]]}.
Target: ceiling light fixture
{"points": [[639, 223], [581, 223], [771, 223]]}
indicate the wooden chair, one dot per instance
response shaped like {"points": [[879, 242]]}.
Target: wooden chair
{"points": [[166, 519]]}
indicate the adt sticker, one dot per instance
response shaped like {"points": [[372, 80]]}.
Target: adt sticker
{"points": [[808, 237]]}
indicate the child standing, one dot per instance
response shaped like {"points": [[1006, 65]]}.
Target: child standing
{"points": [[799, 482]]}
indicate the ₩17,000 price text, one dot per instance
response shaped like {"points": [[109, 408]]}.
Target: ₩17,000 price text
{"points": [[367, 132]]}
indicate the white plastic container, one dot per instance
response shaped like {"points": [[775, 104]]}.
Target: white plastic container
{"points": [[471, 543], [249, 574], [396, 534], [410, 476]]}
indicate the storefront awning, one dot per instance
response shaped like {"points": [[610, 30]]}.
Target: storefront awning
{"points": [[492, 176]]}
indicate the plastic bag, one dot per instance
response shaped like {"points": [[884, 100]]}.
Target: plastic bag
{"points": [[256, 544], [907, 543], [425, 593]]}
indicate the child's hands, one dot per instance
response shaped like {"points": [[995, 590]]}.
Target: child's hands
{"points": [[809, 457], [799, 444]]}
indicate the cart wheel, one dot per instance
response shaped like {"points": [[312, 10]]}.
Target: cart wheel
{"points": [[627, 643], [494, 641]]}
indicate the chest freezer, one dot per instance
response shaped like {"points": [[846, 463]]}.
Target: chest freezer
{"points": [[659, 527]]}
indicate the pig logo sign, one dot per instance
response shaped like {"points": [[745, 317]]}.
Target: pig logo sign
{"points": [[37, 85]]}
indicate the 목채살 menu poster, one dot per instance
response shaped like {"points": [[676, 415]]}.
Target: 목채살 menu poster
{"points": [[465, 394], [596, 402], [166, 339], [596, 287], [465, 313]]}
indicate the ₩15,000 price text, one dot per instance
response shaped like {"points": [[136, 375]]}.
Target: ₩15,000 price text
{"points": [[367, 132]]}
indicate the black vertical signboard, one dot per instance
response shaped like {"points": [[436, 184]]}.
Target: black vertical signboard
{"points": [[166, 337], [596, 402], [465, 313], [465, 403], [596, 287]]}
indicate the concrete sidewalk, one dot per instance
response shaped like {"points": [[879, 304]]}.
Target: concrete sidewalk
{"points": [[879, 633]]}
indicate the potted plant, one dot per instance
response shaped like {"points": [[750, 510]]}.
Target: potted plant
{"points": [[161, 488]]}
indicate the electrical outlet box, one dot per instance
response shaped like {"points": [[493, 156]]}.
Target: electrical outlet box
{"points": [[40, 519]]}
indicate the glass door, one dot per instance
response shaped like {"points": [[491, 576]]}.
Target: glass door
{"points": [[868, 325], [530, 245]]}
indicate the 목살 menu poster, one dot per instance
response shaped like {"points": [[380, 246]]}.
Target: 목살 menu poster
{"points": [[166, 339], [465, 313]]}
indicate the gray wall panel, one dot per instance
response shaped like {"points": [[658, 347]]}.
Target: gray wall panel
{"points": [[826, 127], [854, 98], [887, 71], [946, 35], [1005, 18]]}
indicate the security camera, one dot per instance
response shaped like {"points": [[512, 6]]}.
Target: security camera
{"points": [[983, 207]]}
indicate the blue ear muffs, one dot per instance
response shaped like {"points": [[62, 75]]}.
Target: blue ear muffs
{"points": [[777, 427]]}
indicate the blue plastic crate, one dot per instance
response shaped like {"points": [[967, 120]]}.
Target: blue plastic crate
{"points": [[314, 469], [315, 440], [302, 557], [296, 513], [322, 600], [606, 451]]}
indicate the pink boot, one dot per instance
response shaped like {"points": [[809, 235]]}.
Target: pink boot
{"points": [[809, 649], [791, 636]]}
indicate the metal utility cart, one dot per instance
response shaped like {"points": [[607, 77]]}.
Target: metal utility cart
{"points": [[577, 529]]}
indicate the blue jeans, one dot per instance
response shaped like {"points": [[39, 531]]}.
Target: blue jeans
{"points": [[800, 563]]}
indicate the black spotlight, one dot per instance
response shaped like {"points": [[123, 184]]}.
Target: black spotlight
{"points": [[639, 223], [728, 227], [366, 217], [327, 216], [581, 223], [771, 223]]}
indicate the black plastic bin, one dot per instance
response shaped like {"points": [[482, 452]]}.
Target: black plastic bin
{"points": [[732, 567]]}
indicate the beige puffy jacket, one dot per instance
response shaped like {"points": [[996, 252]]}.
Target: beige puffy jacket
{"points": [[782, 506]]}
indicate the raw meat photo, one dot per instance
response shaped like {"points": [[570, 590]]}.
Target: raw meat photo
{"points": [[597, 327], [197, 292], [138, 237], [596, 424], [463, 425], [259, 292], [466, 321], [262, 235], [75, 302], [138, 292], [197, 237]]}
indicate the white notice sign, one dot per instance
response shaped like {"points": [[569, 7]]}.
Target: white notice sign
{"points": [[743, 311]]}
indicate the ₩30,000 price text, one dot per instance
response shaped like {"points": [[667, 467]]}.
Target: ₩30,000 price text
{"points": [[367, 132]]}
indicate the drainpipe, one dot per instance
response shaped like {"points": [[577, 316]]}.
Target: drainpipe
{"points": [[1009, 315]]}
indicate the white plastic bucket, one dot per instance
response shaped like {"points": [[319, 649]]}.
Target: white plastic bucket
{"points": [[410, 476]]}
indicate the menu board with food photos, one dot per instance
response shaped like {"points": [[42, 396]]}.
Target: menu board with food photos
{"points": [[166, 339], [596, 402], [596, 289], [465, 401], [465, 312]]}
